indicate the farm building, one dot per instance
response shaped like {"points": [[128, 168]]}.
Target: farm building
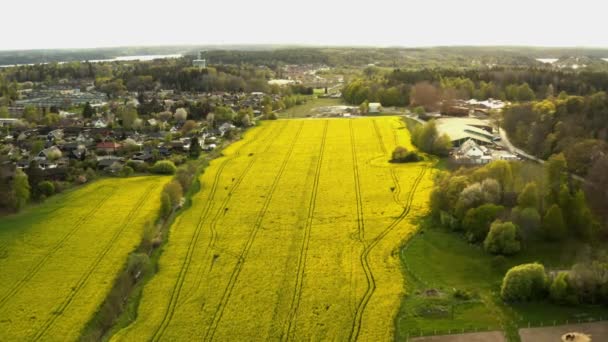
{"points": [[462, 129], [471, 153], [459, 111], [374, 107], [5, 122]]}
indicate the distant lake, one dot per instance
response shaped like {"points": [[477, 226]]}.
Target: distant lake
{"points": [[135, 58], [115, 59], [547, 60]]}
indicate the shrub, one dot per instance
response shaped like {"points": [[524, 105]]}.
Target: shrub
{"points": [[492, 191], [560, 290], [175, 192], [553, 225], [462, 294], [165, 205], [46, 188], [163, 167], [402, 155], [448, 221], [528, 219], [524, 283], [528, 198], [477, 221], [185, 176], [471, 197], [127, 171], [178, 159], [427, 139], [137, 264], [502, 239], [90, 174]]}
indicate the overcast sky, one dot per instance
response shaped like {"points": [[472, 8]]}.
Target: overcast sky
{"points": [[29, 24]]}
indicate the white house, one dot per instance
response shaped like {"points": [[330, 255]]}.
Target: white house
{"points": [[44, 154], [471, 153], [99, 123], [374, 107], [225, 127]]}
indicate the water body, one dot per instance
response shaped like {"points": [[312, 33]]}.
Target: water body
{"points": [[115, 59], [136, 58], [547, 60]]}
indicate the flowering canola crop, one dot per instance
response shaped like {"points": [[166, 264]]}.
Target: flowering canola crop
{"points": [[293, 236], [60, 259]]}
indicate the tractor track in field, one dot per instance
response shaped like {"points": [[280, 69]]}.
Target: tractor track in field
{"points": [[12, 292], [243, 256], [397, 190], [297, 295], [360, 219], [85, 277], [364, 258], [223, 205], [175, 293]]}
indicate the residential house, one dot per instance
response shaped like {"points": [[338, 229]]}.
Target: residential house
{"points": [[225, 127], [472, 153], [100, 123], [108, 146], [144, 156], [74, 150], [105, 162], [49, 153], [56, 134]]}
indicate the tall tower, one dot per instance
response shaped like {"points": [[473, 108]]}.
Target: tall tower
{"points": [[200, 62]]}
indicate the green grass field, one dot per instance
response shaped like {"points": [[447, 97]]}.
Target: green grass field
{"points": [[309, 107], [438, 262], [59, 259]]}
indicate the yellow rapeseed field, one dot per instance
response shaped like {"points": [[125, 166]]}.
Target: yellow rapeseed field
{"points": [[294, 236], [59, 260]]}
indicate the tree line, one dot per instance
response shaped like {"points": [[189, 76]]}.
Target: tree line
{"points": [[507, 207], [427, 86]]}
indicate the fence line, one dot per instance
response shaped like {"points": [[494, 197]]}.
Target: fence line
{"points": [[520, 325]]}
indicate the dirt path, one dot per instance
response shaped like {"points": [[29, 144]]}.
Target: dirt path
{"points": [[490, 336], [597, 330]]}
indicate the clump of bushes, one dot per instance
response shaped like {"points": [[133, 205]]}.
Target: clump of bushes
{"points": [[524, 283], [271, 116], [427, 139], [402, 155], [46, 189], [127, 171], [171, 197], [164, 167], [585, 283], [502, 239], [462, 294]]}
